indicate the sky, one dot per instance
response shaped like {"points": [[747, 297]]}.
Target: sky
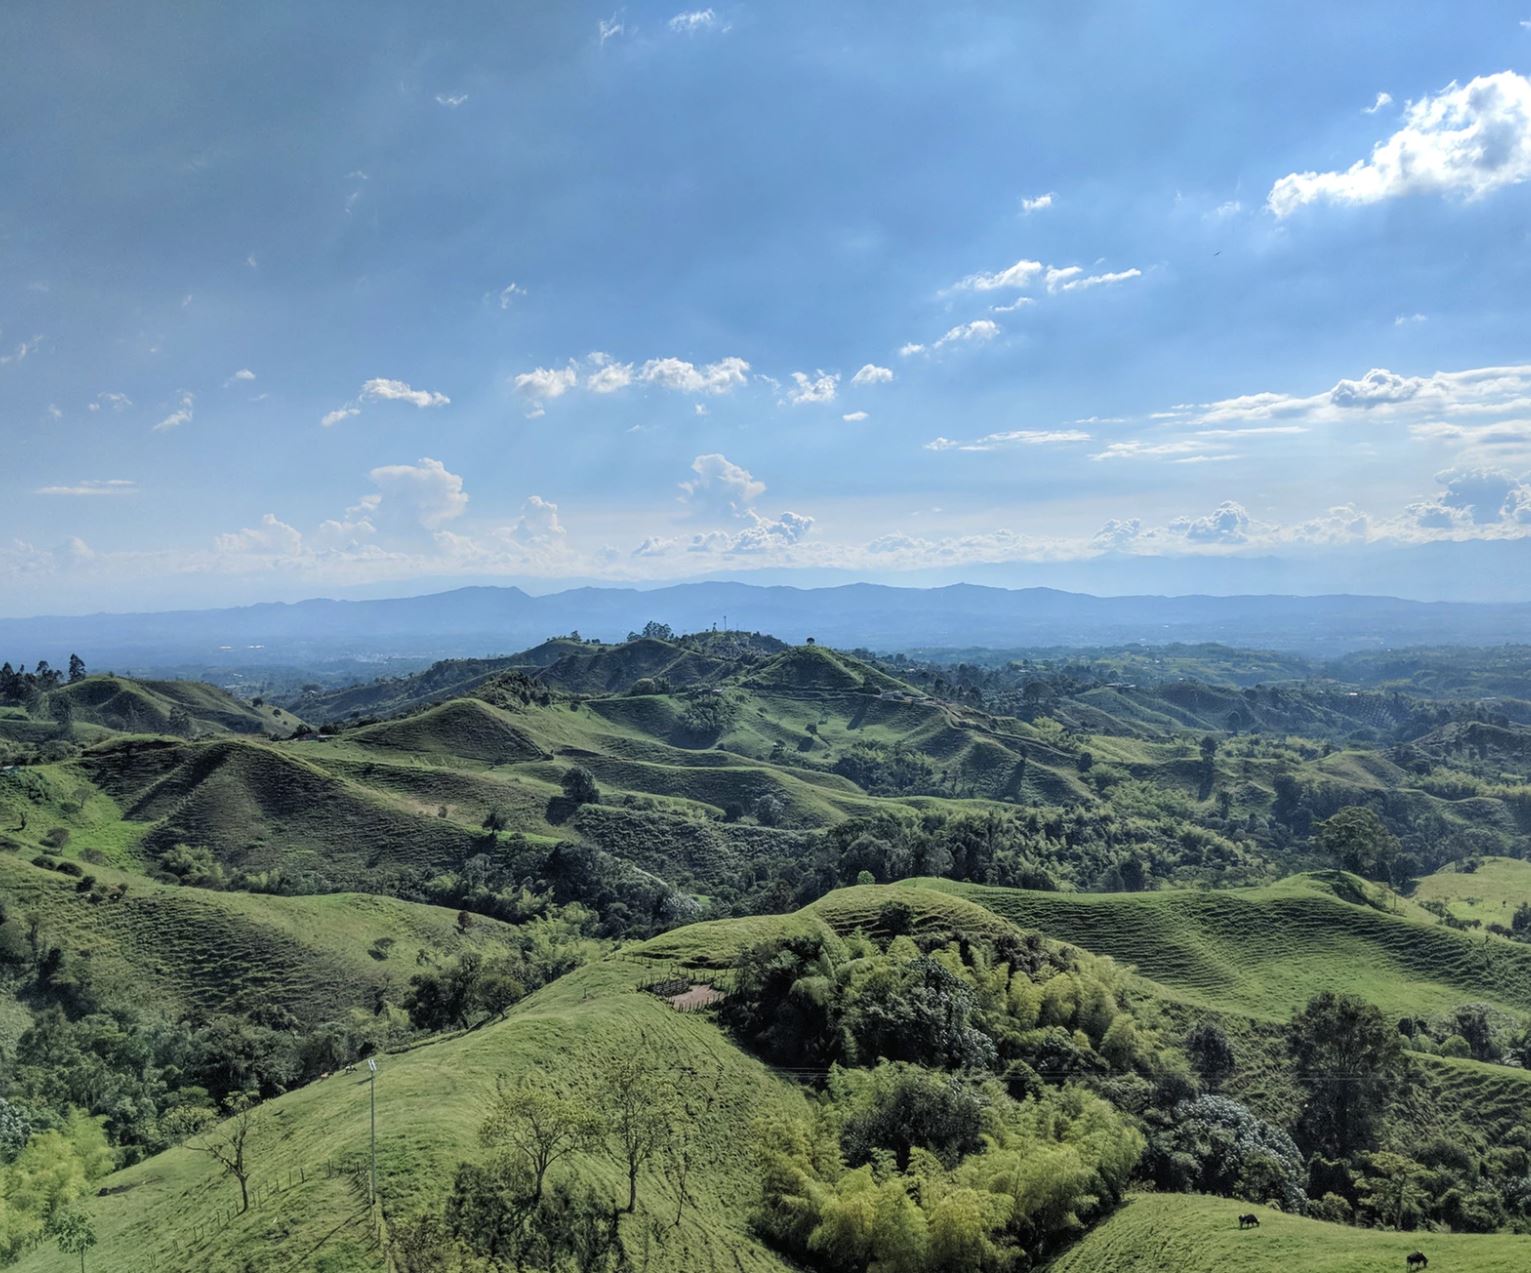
{"points": [[357, 299]]}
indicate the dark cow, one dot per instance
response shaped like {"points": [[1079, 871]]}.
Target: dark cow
{"points": [[1418, 1261], [1249, 1221]]}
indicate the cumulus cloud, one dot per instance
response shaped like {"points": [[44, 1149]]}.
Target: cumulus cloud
{"points": [[1117, 533], [721, 486], [398, 391], [979, 331], [872, 374], [819, 387], [380, 389], [243, 376], [609, 375], [273, 537], [1229, 523], [1484, 496], [718, 377], [1467, 140], [92, 486], [1037, 203], [538, 523], [1018, 276], [543, 384], [420, 494], [111, 401], [854, 417], [181, 415], [1383, 99]]}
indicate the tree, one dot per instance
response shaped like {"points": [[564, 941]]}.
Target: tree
{"points": [[76, 668], [180, 722], [62, 711], [538, 1126], [72, 1230], [1211, 1054], [1360, 842], [1347, 1058], [497, 819], [1393, 1187], [579, 785], [231, 1144], [640, 1109]]}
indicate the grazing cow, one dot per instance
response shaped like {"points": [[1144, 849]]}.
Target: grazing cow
{"points": [[1249, 1221], [1418, 1261]]}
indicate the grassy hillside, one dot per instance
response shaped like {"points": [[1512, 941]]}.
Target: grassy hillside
{"points": [[1490, 893], [1264, 952], [185, 949], [430, 1103], [1186, 1233]]}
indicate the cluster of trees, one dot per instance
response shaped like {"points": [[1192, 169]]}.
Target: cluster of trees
{"points": [[1041, 1169], [18, 687], [520, 1207]]}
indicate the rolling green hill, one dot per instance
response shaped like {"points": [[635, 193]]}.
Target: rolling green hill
{"points": [[1156, 1233], [1264, 952]]}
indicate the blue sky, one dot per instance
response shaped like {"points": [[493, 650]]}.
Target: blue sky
{"points": [[300, 300]]}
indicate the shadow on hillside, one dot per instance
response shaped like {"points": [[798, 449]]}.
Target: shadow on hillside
{"points": [[560, 809]]}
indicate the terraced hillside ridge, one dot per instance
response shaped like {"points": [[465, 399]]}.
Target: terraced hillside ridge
{"points": [[191, 950], [1187, 1233], [1264, 952]]}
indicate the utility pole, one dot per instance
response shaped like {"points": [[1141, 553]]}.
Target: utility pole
{"points": [[372, 1090]]}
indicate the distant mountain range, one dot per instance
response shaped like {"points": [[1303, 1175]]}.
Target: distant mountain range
{"points": [[480, 621]]}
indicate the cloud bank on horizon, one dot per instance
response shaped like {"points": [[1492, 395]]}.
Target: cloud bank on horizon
{"points": [[792, 292]]}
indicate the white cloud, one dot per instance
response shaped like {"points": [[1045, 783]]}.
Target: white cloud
{"points": [[332, 418], [108, 486], [854, 417], [273, 537], [1466, 140], [55, 412], [872, 374], [538, 523], [1020, 275], [1117, 533], [1020, 302], [398, 391], [820, 387], [718, 377], [1229, 523], [112, 401], [1383, 99], [721, 486], [1073, 279], [910, 348], [1010, 438], [609, 28], [181, 415], [694, 21], [451, 100], [1037, 203], [609, 375], [1408, 320], [21, 352], [244, 373], [423, 494], [1139, 449], [978, 331], [544, 384], [509, 292]]}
